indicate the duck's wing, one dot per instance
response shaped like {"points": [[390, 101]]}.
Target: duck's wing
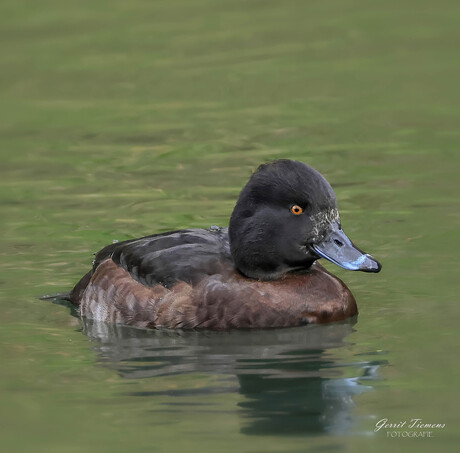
{"points": [[165, 259]]}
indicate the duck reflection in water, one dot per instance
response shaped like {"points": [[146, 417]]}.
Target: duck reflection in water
{"points": [[292, 381]]}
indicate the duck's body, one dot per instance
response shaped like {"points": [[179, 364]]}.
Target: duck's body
{"points": [[262, 272], [187, 279]]}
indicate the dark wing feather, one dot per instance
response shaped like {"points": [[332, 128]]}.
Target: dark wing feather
{"points": [[108, 250], [185, 255]]}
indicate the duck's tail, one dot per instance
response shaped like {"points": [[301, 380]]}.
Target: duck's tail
{"points": [[73, 296], [62, 296]]}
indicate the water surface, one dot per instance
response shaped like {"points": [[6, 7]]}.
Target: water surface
{"points": [[123, 119]]}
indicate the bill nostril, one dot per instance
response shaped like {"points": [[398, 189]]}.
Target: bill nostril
{"points": [[339, 243]]}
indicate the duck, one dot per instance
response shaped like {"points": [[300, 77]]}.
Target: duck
{"points": [[262, 271]]}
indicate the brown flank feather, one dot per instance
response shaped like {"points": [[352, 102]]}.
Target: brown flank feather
{"points": [[218, 302]]}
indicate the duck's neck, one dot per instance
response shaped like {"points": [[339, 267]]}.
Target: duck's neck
{"points": [[258, 254]]}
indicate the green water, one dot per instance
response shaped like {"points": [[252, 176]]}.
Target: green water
{"points": [[121, 119]]}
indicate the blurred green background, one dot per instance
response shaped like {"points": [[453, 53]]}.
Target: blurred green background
{"points": [[121, 119]]}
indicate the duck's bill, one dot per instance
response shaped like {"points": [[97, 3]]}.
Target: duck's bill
{"points": [[338, 249]]}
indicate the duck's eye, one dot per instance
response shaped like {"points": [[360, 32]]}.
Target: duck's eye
{"points": [[296, 209]]}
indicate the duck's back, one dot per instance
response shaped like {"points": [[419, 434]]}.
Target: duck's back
{"points": [[187, 279], [168, 258]]}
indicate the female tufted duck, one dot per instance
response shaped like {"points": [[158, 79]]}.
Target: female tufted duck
{"points": [[260, 272]]}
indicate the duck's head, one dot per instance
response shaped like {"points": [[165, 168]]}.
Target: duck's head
{"points": [[286, 217]]}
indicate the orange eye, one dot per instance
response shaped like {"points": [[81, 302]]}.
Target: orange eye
{"points": [[296, 209]]}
